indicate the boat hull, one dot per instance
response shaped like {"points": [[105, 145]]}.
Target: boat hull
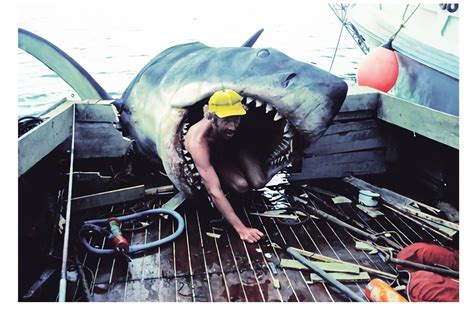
{"points": [[428, 67]]}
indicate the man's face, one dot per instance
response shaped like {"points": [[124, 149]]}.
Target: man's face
{"points": [[227, 126]]}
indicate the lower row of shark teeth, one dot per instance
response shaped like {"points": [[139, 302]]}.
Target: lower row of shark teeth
{"points": [[191, 173]]}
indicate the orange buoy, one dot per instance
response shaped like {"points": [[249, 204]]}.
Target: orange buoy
{"points": [[379, 291], [379, 69]]}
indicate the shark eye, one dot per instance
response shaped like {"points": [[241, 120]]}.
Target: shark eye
{"points": [[263, 53]]}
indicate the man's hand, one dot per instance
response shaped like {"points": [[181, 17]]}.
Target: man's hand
{"points": [[250, 235]]}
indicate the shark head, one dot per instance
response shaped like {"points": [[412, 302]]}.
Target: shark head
{"points": [[289, 103]]}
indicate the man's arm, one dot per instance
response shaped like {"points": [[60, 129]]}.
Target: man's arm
{"points": [[201, 159]]}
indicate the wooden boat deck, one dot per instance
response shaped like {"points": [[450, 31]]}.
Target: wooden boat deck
{"points": [[199, 268]]}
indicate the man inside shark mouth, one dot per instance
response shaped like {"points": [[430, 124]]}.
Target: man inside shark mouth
{"points": [[222, 158]]}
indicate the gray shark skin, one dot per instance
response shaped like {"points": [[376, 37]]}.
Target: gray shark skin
{"points": [[287, 99]]}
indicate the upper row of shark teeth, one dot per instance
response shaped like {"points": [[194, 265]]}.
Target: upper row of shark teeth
{"points": [[259, 103]]}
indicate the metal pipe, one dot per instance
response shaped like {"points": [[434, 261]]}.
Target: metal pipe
{"points": [[353, 229], [62, 281], [325, 276], [424, 267]]}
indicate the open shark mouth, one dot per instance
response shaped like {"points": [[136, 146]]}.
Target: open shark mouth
{"points": [[263, 129]]}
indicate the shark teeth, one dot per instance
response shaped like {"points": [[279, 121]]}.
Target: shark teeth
{"points": [[258, 103], [268, 108], [248, 100], [277, 117]]}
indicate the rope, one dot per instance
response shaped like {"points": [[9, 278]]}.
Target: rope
{"points": [[403, 23], [339, 39], [62, 282]]}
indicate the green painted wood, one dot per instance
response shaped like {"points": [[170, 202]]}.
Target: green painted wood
{"points": [[433, 124], [341, 127], [96, 112], [40, 141], [108, 198], [347, 142], [97, 140], [361, 100], [342, 165], [325, 266]]}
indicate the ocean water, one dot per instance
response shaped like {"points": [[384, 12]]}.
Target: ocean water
{"points": [[114, 40]]}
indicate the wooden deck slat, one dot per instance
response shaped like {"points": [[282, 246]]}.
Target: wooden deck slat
{"points": [[229, 268], [291, 240], [197, 260], [286, 290], [248, 275], [184, 279], [302, 292], [269, 292], [166, 263]]}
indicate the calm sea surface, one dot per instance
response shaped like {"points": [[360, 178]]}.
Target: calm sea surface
{"points": [[113, 42]]}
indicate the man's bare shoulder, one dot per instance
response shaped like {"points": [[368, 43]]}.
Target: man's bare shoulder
{"points": [[195, 141]]}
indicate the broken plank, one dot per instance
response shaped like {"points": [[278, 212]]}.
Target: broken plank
{"points": [[341, 200], [96, 113], [343, 277], [107, 198], [419, 222], [268, 215], [372, 212], [213, 235], [428, 217], [325, 266], [391, 197], [98, 140], [320, 257]]}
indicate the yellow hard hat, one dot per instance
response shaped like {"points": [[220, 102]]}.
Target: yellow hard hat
{"points": [[225, 103]]}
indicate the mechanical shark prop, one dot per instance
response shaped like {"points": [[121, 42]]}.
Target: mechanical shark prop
{"points": [[290, 103]]}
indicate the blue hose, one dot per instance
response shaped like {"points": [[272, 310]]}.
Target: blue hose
{"points": [[94, 225]]}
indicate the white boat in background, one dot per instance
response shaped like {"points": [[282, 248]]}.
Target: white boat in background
{"points": [[426, 47]]}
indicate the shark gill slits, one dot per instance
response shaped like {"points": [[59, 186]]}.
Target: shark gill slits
{"points": [[286, 82]]}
